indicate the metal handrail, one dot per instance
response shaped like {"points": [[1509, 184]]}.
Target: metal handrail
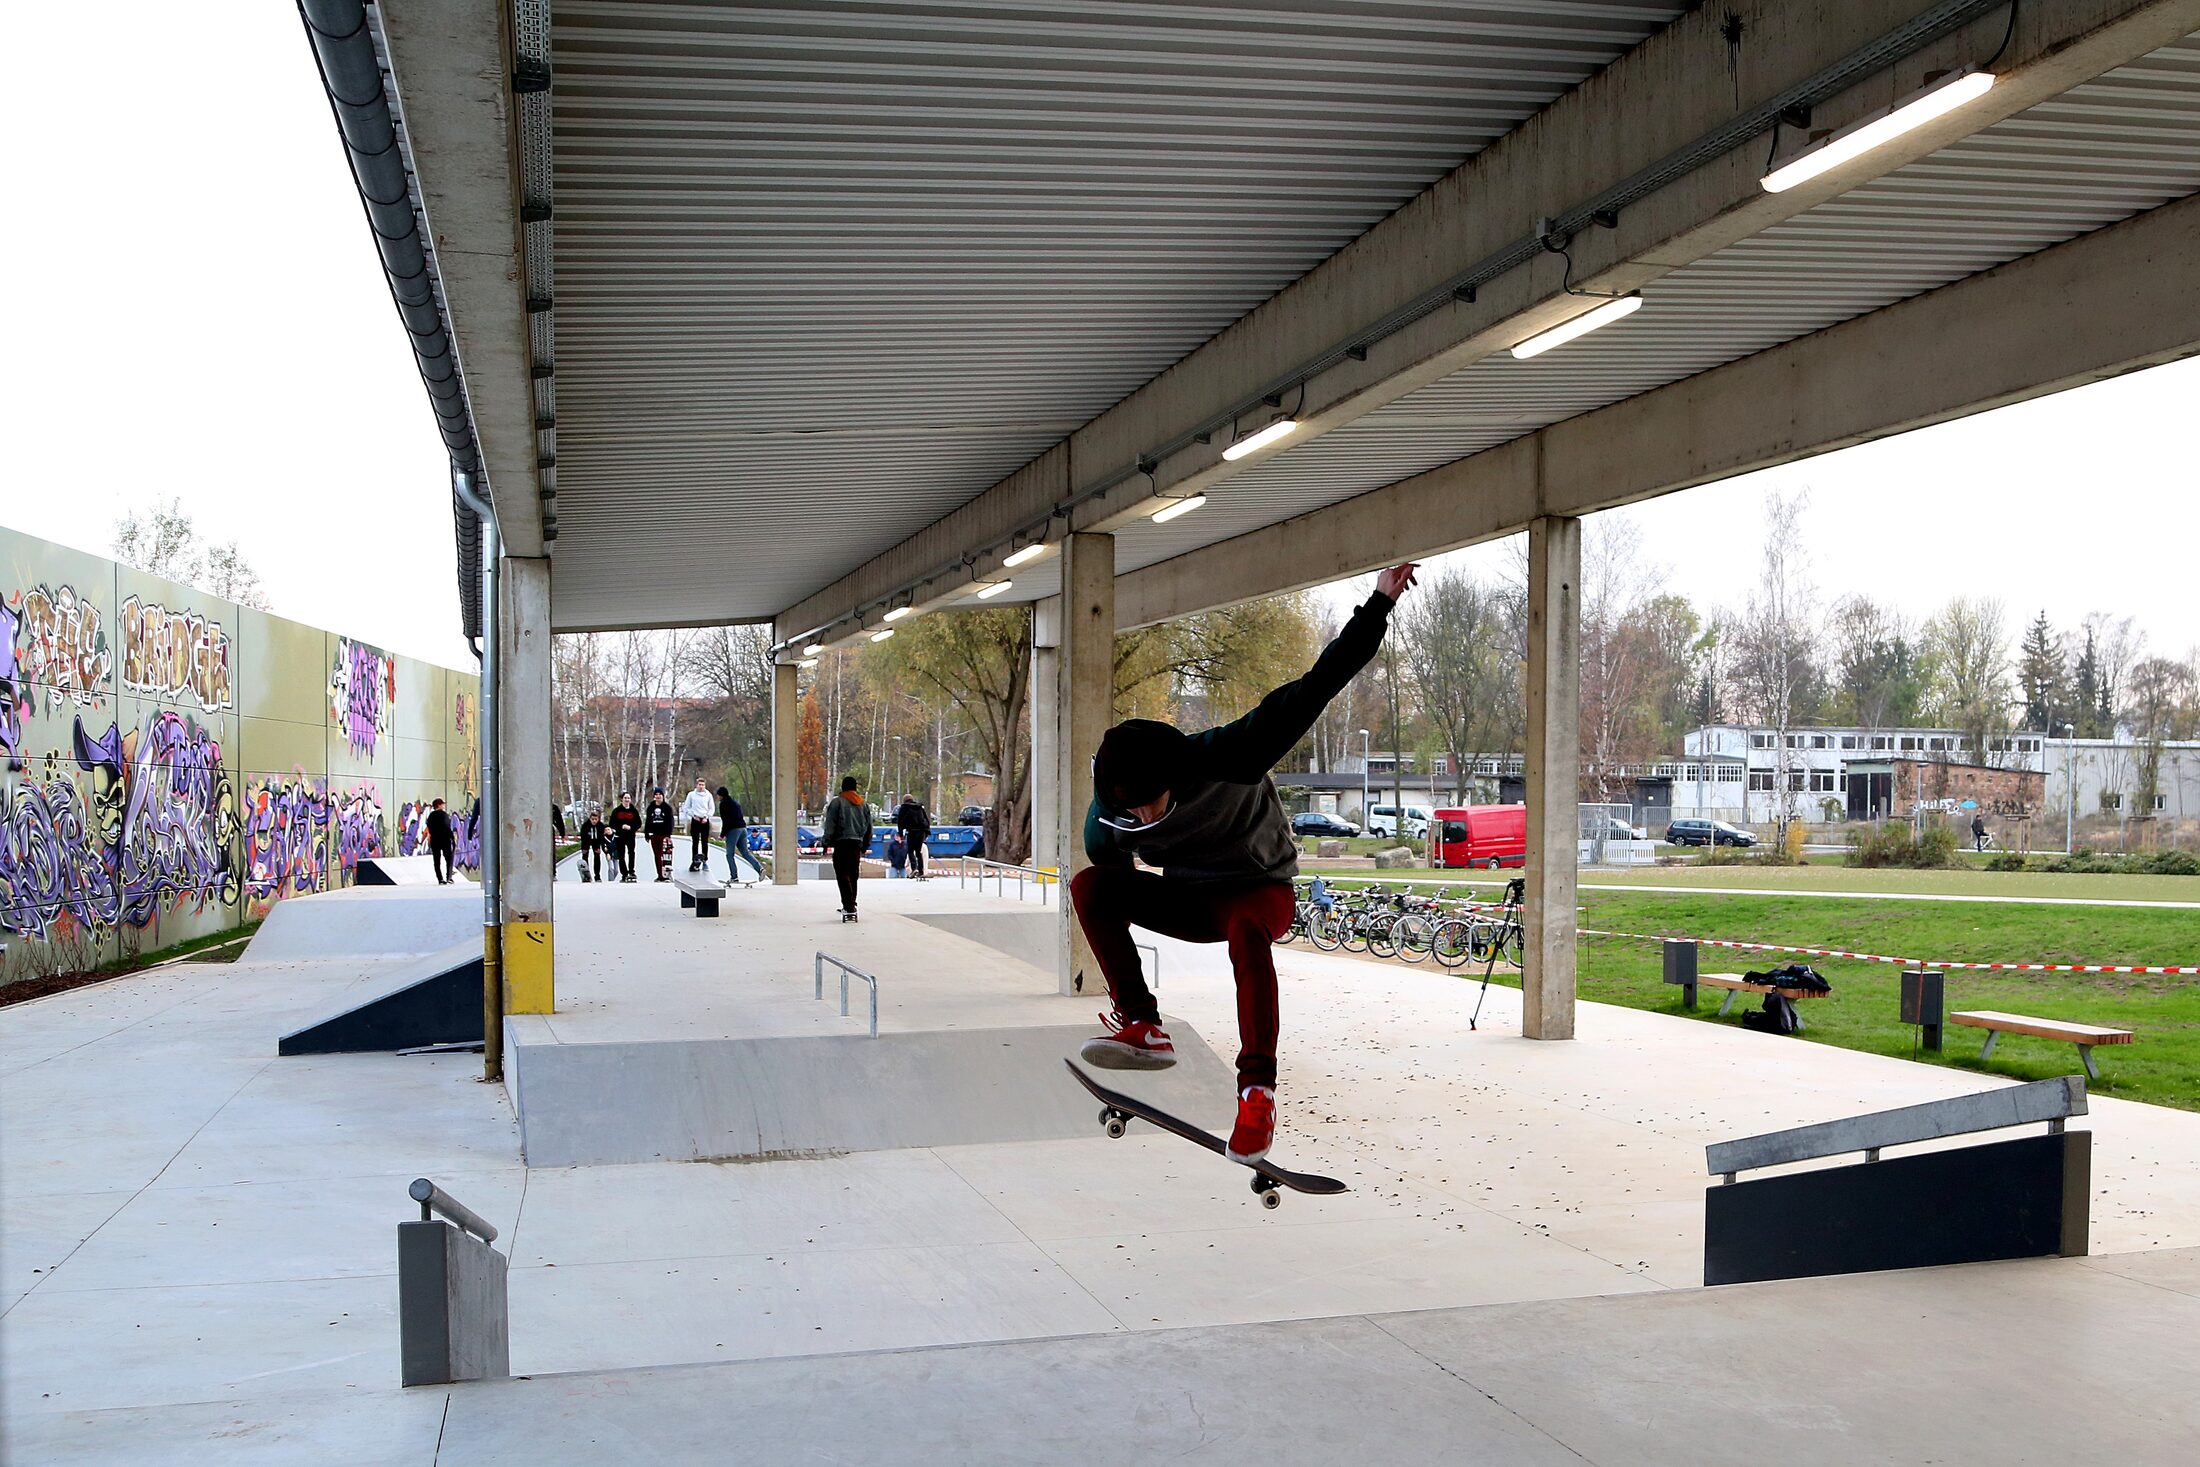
{"points": [[1154, 975], [846, 972], [434, 1199], [1042, 876], [2050, 1101]]}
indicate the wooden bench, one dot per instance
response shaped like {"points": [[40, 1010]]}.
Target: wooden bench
{"points": [[700, 892], [2084, 1036]]}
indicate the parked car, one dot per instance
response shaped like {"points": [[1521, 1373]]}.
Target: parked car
{"points": [[1488, 836], [1618, 829], [1383, 820], [972, 815], [1694, 832], [1317, 823]]}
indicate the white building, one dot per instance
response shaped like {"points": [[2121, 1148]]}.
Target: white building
{"points": [[1733, 771]]}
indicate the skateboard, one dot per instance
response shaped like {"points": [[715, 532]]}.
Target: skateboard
{"points": [[1118, 1110]]}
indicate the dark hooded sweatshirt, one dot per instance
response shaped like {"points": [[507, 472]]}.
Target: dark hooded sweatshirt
{"points": [[1227, 823]]}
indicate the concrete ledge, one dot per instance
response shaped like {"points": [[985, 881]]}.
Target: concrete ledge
{"points": [[696, 1100]]}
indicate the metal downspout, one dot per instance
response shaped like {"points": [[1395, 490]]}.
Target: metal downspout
{"points": [[492, 891]]}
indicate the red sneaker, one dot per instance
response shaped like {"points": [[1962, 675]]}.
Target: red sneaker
{"points": [[1129, 1044], [1255, 1131]]}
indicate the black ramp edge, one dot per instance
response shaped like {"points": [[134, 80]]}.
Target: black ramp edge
{"points": [[436, 1000], [1972, 1204]]}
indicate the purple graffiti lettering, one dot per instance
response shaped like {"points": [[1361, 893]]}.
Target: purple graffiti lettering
{"points": [[412, 835], [358, 826], [362, 689], [285, 839], [53, 871], [15, 689], [180, 829]]}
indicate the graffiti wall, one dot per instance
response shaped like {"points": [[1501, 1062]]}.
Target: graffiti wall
{"points": [[172, 764]]}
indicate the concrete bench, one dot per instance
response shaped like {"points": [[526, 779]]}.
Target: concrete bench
{"points": [[2084, 1036], [700, 892]]}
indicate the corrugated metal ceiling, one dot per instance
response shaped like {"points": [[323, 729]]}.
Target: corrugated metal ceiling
{"points": [[825, 272], [2123, 143]]}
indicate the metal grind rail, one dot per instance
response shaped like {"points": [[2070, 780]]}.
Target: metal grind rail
{"points": [[846, 972], [1037, 875], [434, 1200]]}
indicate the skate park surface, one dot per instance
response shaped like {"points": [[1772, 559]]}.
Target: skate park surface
{"points": [[197, 1261]]}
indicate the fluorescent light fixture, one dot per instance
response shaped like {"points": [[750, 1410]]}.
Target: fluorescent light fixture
{"points": [[1178, 507], [1858, 138], [813, 649], [1024, 556], [807, 662], [1253, 442], [882, 634], [898, 612], [1588, 321], [992, 589]]}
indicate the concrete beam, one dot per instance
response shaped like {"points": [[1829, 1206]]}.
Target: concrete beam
{"points": [[1554, 779], [1084, 706], [2114, 301], [1678, 86], [450, 61]]}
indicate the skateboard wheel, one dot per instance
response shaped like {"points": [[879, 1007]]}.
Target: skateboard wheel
{"points": [[1115, 1123], [1271, 1199]]}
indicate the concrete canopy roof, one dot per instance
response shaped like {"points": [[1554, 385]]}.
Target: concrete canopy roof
{"points": [[850, 295]]}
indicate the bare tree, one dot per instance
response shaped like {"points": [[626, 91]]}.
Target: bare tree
{"points": [[1774, 644], [163, 542], [1966, 648]]}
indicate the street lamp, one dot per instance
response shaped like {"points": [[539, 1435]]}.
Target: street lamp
{"points": [[898, 739], [1365, 759], [2070, 790]]}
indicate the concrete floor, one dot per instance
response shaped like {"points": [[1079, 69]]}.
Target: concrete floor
{"points": [[196, 1259]]}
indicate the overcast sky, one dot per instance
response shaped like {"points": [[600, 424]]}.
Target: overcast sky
{"points": [[201, 314]]}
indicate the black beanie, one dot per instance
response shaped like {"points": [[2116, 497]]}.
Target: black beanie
{"points": [[1139, 758]]}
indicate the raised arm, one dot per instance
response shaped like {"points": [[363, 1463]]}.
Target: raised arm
{"points": [[1246, 749]]}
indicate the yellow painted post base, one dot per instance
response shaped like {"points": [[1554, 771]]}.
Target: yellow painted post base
{"points": [[528, 968]]}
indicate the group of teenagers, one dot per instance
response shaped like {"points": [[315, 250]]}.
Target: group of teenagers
{"points": [[614, 834]]}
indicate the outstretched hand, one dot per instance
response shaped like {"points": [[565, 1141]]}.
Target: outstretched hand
{"points": [[1393, 582]]}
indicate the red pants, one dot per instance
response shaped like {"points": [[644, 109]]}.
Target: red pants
{"points": [[1248, 915]]}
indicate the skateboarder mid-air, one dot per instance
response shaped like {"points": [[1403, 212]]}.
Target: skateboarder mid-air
{"points": [[1201, 809]]}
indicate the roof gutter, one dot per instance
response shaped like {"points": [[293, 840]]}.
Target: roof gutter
{"points": [[348, 53]]}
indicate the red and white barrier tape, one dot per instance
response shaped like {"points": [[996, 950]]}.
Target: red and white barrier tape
{"points": [[1831, 952]]}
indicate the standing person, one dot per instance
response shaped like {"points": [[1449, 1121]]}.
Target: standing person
{"points": [[1201, 809], [847, 835], [625, 821], [914, 825], [697, 808], [897, 855], [1978, 830], [657, 824], [557, 834], [440, 842], [594, 837], [735, 823]]}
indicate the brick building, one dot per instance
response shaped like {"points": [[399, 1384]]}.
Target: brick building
{"points": [[1997, 791]]}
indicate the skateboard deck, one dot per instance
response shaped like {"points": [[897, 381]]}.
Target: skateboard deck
{"points": [[1118, 1109]]}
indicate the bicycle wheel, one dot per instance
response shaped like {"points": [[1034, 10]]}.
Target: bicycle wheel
{"points": [[1290, 934], [1515, 945], [1452, 942], [1381, 938], [1325, 930], [1415, 936], [1352, 932]]}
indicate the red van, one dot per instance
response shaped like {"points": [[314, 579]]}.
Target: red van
{"points": [[1488, 836]]}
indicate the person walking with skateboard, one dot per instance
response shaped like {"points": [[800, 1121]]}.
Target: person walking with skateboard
{"points": [[847, 835], [657, 825], [1201, 809], [625, 822], [697, 809]]}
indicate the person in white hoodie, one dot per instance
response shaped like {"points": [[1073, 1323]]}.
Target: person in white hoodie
{"points": [[698, 807]]}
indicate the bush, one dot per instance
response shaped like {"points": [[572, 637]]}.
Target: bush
{"points": [[1895, 844], [2174, 863], [2005, 861]]}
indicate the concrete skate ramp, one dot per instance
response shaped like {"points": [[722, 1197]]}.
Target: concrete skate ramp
{"points": [[695, 1100], [430, 1000], [395, 871], [371, 923], [1028, 937]]}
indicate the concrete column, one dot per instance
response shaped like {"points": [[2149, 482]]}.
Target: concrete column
{"points": [[786, 783], [1084, 706], [523, 784], [1046, 742], [1554, 718]]}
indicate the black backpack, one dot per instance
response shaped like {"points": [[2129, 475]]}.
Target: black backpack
{"points": [[1778, 1016]]}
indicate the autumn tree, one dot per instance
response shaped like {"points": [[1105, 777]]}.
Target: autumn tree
{"points": [[1215, 665], [1461, 643], [980, 663], [809, 755]]}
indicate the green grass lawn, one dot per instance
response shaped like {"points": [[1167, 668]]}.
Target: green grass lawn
{"points": [[2162, 1066], [1837, 878]]}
